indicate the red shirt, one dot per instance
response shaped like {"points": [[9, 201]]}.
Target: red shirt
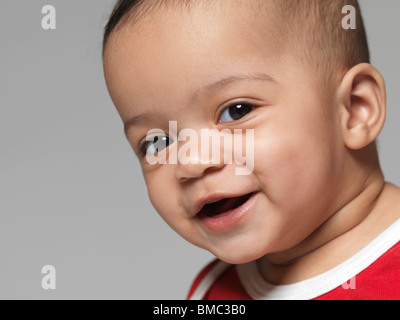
{"points": [[379, 280]]}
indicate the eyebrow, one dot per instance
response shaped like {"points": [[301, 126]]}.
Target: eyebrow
{"points": [[208, 90]]}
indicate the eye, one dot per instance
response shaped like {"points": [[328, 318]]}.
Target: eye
{"points": [[235, 112], [154, 145]]}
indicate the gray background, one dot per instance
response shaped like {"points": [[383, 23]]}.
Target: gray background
{"points": [[71, 190]]}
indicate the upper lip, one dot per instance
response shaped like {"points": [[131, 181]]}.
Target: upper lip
{"points": [[214, 198]]}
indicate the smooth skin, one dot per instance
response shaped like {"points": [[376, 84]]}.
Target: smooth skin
{"points": [[321, 193]]}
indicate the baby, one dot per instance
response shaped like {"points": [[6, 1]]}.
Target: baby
{"points": [[313, 217]]}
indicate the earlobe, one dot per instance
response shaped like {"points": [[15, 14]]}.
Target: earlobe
{"points": [[362, 103]]}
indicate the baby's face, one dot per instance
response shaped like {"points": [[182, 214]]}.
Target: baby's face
{"points": [[158, 68]]}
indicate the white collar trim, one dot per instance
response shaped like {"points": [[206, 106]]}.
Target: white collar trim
{"points": [[259, 289]]}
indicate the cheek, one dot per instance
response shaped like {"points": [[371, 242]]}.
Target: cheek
{"points": [[295, 169], [164, 194], [295, 164]]}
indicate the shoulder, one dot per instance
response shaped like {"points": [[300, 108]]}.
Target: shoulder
{"points": [[379, 281], [218, 280], [206, 276]]}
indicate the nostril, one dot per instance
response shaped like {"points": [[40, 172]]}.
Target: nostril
{"points": [[185, 172], [183, 180], [212, 168]]}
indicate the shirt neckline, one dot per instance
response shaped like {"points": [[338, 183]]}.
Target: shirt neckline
{"points": [[259, 289]]}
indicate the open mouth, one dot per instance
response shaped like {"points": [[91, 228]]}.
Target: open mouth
{"points": [[222, 206]]}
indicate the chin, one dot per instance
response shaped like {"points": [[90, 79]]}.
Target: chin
{"points": [[238, 258], [239, 254]]}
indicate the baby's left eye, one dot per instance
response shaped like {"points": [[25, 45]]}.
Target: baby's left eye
{"points": [[236, 112]]}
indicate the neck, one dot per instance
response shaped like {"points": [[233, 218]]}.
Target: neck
{"points": [[347, 231]]}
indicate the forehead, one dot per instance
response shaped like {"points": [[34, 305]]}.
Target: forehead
{"points": [[171, 52]]}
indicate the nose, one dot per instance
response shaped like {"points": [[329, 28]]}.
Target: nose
{"points": [[185, 172], [197, 161]]}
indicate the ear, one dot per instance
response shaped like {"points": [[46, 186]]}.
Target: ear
{"points": [[362, 105]]}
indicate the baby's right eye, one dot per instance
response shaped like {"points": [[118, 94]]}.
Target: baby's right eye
{"points": [[152, 147]]}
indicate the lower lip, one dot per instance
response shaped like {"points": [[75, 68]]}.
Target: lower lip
{"points": [[228, 219]]}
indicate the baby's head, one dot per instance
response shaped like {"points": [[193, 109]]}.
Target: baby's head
{"points": [[285, 69]]}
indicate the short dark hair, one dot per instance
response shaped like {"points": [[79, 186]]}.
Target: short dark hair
{"points": [[315, 27], [121, 9]]}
